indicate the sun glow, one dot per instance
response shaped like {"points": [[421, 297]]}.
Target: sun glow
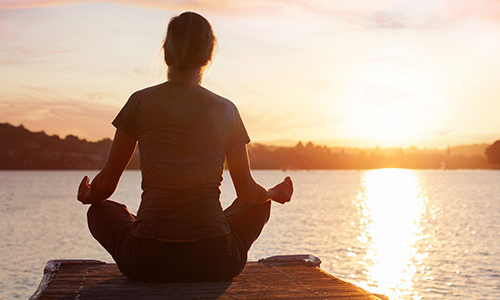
{"points": [[391, 105], [391, 204]]}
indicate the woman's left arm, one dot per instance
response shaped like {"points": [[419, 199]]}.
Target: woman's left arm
{"points": [[105, 183]]}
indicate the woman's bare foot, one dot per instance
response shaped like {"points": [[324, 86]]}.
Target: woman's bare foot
{"points": [[282, 192]]}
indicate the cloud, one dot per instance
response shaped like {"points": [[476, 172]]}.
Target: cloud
{"points": [[205, 5], [285, 122], [33, 54], [22, 4], [388, 20], [459, 9], [381, 14], [60, 116], [442, 132], [44, 50]]}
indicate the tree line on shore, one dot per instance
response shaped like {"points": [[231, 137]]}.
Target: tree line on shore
{"points": [[23, 149]]}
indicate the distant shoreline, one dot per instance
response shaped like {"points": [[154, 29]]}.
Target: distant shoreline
{"points": [[21, 149]]}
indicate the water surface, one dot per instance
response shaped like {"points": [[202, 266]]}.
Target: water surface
{"points": [[407, 234]]}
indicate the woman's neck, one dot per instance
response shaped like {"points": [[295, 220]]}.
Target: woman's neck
{"points": [[192, 77]]}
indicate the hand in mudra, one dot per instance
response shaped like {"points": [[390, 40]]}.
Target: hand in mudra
{"points": [[282, 192], [83, 191]]}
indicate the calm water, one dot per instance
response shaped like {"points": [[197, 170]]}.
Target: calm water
{"points": [[407, 234]]}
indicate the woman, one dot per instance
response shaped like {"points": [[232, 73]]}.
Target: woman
{"points": [[185, 135]]}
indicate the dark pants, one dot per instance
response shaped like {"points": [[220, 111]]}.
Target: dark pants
{"points": [[212, 259]]}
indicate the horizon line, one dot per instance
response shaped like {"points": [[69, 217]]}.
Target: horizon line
{"points": [[280, 142]]}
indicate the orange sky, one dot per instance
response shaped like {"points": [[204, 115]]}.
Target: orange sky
{"points": [[352, 73]]}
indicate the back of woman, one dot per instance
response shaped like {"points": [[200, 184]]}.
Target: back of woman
{"points": [[186, 134], [183, 131]]}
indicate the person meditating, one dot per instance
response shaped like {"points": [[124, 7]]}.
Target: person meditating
{"points": [[185, 135]]}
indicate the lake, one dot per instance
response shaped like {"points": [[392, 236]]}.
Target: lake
{"points": [[427, 234]]}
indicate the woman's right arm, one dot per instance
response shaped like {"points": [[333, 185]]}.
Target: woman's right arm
{"points": [[104, 184], [247, 190]]}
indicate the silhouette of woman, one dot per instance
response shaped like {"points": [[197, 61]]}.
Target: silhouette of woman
{"points": [[185, 135]]}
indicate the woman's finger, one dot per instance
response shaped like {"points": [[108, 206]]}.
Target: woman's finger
{"points": [[84, 180], [83, 189]]}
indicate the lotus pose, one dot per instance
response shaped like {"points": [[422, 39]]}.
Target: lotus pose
{"points": [[185, 135]]}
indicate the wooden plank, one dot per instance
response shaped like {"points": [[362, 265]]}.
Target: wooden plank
{"points": [[97, 281]]}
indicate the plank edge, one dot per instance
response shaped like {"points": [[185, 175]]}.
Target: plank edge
{"points": [[51, 269]]}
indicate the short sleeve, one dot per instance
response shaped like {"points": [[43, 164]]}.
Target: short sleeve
{"points": [[237, 134], [126, 120]]}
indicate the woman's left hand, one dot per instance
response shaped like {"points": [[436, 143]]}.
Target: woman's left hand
{"points": [[84, 191], [282, 192]]}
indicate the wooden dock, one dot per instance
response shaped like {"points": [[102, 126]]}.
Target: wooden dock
{"points": [[272, 278]]}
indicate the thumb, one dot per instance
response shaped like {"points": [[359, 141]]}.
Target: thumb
{"points": [[85, 181]]}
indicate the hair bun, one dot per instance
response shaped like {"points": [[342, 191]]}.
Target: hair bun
{"points": [[189, 42]]}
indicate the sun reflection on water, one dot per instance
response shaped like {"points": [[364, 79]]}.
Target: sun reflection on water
{"points": [[390, 205]]}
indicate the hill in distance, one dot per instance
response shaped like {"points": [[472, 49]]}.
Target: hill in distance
{"points": [[21, 148]]}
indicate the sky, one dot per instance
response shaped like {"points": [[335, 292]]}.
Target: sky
{"points": [[347, 73]]}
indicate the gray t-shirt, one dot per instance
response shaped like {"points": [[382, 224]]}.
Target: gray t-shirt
{"points": [[183, 132]]}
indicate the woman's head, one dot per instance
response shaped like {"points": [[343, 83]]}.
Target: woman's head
{"points": [[188, 46]]}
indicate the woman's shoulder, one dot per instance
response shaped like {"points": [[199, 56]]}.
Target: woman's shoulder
{"points": [[163, 91], [223, 101], [148, 90], [146, 95]]}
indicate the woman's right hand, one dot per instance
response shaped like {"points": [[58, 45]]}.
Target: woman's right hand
{"points": [[84, 190], [282, 192]]}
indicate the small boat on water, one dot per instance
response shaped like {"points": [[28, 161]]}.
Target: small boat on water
{"points": [[276, 277]]}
